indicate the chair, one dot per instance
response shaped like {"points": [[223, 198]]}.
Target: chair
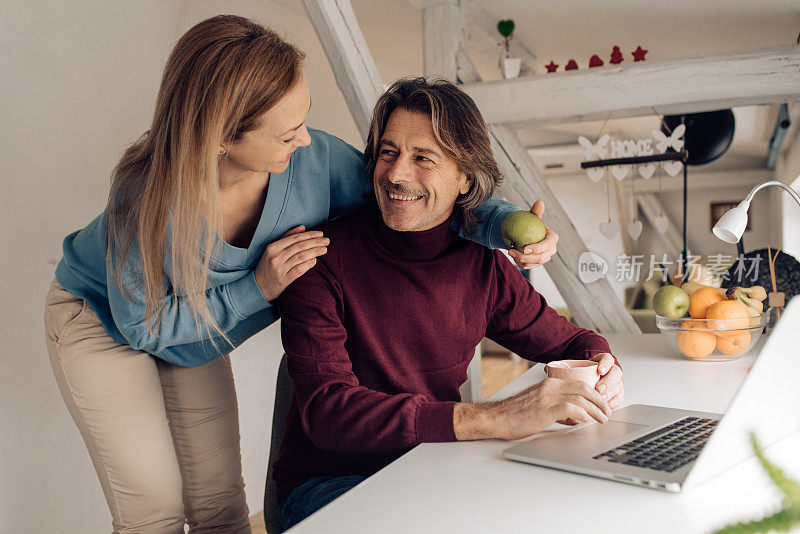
{"points": [[284, 390]]}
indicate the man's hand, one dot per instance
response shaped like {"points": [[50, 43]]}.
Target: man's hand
{"points": [[610, 383], [539, 253], [531, 411]]}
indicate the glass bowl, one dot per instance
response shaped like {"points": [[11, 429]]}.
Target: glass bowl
{"points": [[712, 340]]}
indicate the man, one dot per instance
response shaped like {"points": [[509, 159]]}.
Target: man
{"points": [[380, 332]]}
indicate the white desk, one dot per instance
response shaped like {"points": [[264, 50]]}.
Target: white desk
{"points": [[469, 488]]}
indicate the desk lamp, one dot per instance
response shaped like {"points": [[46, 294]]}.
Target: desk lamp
{"points": [[731, 225]]}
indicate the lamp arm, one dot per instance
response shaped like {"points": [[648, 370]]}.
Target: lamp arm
{"points": [[759, 187]]}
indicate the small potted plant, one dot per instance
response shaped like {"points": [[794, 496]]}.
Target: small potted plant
{"points": [[509, 65], [786, 519]]}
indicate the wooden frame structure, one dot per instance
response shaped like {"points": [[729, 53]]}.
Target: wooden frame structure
{"points": [[691, 85]]}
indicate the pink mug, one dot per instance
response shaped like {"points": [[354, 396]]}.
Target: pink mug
{"points": [[583, 370]]}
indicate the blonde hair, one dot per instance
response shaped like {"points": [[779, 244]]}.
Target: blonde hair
{"points": [[221, 77]]}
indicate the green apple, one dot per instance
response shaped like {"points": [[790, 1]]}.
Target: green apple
{"points": [[671, 301], [521, 228]]}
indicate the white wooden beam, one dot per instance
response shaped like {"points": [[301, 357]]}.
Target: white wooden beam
{"points": [[683, 86], [355, 71], [442, 35], [594, 305], [465, 69]]}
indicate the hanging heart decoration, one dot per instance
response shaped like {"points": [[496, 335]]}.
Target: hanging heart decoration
{"points": [[672, 167], [622, 149], [608, 229], [635, 229], [619, 171], [595, 173], [661, 222], [647, 171]]}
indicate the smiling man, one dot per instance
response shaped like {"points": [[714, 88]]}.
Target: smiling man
{"points": [[380, 332]]}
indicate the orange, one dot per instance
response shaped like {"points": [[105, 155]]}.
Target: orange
{"points": [[693, 342], [733, 343], [701, 300], [728, 315], [691, 324]]}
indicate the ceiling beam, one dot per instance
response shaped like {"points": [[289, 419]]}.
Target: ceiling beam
{"points": [[442, 37], [593, 305], [766, 76], [352, 64]]}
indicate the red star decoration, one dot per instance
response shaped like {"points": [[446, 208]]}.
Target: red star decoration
{"points": [[571, 65], [595, 61], [551, 67], [639, 53]]}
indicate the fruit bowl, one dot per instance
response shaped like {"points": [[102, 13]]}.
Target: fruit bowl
{"points": [[712, 340]]}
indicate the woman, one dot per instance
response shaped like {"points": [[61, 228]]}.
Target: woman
{"points": [[205, 225]]}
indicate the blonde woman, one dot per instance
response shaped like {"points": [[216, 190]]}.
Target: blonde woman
{"points": [[205, 225]]}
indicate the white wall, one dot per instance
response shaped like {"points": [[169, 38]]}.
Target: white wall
{"points": [[791, 222], [787, 170], [77, 86]]}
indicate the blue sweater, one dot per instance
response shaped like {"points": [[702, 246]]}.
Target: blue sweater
{"points": [[323, 181]]}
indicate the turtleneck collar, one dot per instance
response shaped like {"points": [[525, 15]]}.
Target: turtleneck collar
{"points": [[414, 246]]}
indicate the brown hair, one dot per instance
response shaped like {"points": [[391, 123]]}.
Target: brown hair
{"points": [[459, 129], [221, 77]]}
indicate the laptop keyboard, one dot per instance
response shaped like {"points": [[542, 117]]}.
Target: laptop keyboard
{"points": [[666, 449]]}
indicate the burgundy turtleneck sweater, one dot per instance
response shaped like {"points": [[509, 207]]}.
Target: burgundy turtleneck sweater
{"points": [[379, 335]]}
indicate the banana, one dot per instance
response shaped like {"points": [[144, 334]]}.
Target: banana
{"points": [[755, 292], [691, 287], [754, 306]]}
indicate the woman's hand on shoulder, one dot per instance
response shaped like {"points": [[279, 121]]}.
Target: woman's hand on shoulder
{"points": [[288, 258], [537, 254]]}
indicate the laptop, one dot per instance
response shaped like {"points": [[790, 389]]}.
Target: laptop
{"points": [[673, 450]]}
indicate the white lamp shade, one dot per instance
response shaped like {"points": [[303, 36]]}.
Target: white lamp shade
{"points": [[731, 226]]}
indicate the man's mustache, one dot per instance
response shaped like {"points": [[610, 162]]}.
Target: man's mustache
{"points": [[399, 189]]}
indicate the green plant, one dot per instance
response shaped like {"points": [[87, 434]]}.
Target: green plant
{"points": [[784, 520], [506, 29]]}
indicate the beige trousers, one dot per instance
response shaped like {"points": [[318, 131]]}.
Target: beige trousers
{"points": [[163, 439]]}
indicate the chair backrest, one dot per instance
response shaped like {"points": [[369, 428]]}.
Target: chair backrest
{"points": [[283, 399]]}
